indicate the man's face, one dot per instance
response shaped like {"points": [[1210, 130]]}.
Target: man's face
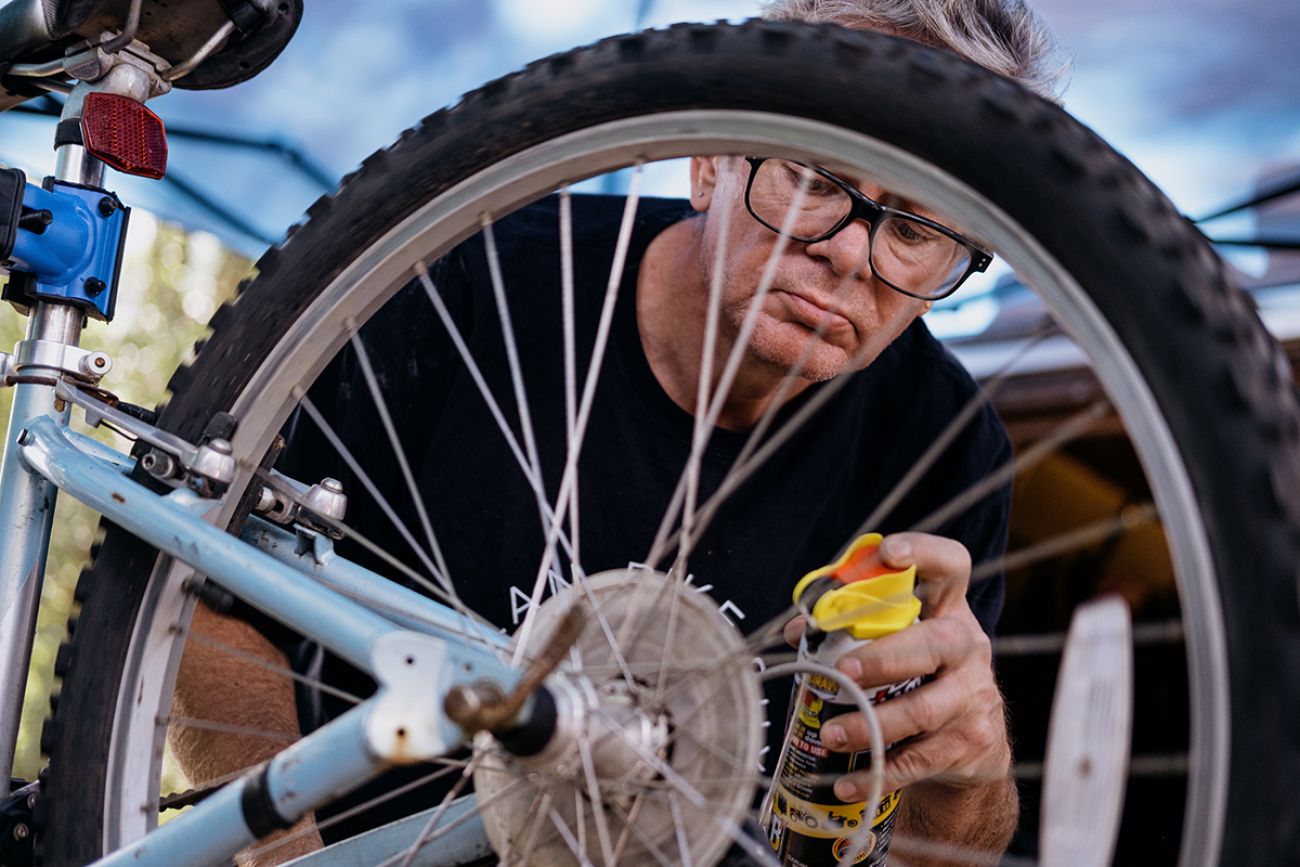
{"points": [[826, 285]]}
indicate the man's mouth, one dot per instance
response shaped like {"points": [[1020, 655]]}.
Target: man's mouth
{"points": [[811, 314]]}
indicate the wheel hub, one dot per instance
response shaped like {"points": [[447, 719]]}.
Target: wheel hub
{"points": [[656, 746]]}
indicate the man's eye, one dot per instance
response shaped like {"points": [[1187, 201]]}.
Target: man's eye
{"points": [[912, 232], [821, 187], [813, 184]]}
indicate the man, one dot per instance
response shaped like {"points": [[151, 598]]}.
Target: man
{"points": [[836, 304]]}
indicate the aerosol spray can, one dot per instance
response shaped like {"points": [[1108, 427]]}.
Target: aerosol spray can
{"points": [[852, 602]]}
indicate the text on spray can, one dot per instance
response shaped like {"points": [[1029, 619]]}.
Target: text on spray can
{"points": [[851, 602]]}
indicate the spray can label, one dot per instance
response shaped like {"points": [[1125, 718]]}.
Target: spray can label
{"points": [[810, 826], [852, 602]]}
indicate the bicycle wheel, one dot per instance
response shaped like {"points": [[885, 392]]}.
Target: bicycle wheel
{"points": [[1203, 395]]}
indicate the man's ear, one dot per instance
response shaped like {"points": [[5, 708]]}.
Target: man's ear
{"points": [[704, 180]]}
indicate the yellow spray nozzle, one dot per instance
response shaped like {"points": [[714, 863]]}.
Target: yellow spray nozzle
{"points": [[874, 600]]}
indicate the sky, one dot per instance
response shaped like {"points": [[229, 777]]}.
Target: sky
{"points": [[1203, 95]]}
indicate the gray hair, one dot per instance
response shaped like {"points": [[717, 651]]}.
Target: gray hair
{"points": [[1001, 35]]}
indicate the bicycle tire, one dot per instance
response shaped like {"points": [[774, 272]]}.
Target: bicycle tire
{"points": [[1210, 358]]}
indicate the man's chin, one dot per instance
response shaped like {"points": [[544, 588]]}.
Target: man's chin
{"points": [[793, 358]]}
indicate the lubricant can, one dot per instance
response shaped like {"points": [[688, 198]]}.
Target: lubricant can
{"points": [[852, 602]]}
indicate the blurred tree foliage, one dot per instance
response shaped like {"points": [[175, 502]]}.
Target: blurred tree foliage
{"points": [[172, 282]]}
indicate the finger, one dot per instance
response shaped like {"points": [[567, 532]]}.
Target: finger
{"points": [[920, 650], [921, 711], [793, 631], [942, 566], [925, 758]]}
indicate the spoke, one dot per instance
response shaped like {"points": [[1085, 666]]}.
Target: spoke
{"points": [[1151, 765], [353, 811], [580, 820], [756, 850], [704, 424], [434, 590], [946, 437], [630, 828], [700, 432], [422, 273], [570, 353], [683, 846], [425, 835], [1080, 537], [376, 395], [232, 729], [689, 666], [568, 479], [740, 473], [550, 519], [597, 802], [1155, 632], [1073, 427], [549, 558], [567, 836], [530, 844], [281, 670], [670, 636], [628, 821], [328, 430]]}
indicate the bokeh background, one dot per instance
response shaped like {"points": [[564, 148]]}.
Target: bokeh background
{"points": [[1203, 95]]}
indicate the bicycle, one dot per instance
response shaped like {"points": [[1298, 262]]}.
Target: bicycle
{"points": [[1225, 491]]}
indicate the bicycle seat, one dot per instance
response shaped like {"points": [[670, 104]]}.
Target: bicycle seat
{"points": [[34, 31]]}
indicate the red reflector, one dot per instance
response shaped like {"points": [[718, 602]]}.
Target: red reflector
{"points": [[124, 134]]}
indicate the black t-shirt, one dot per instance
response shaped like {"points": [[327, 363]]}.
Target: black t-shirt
{"points": [[790, 517]]}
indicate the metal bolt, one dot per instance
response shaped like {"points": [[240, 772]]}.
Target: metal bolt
{"points": [[158, 464], [31, 801], [107, 205], [21, 832], [94, 286], [96, 364], [334, 486], [220, 446]]}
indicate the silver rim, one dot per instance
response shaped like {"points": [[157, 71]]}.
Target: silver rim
{"points": [[386, 266]]}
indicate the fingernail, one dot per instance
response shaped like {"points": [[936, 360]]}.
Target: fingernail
{"points": [[850, 667], [896, 550], [833, 737], [846, 791]]}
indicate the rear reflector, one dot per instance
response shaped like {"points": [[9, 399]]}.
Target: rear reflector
{"points": [[124, 134]]}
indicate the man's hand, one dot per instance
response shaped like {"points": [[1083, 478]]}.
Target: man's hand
{"points": [[950, 733], [954, 725]]}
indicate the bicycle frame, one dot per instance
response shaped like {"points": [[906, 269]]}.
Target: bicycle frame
{"points": [[294, 577], [291, 581]]}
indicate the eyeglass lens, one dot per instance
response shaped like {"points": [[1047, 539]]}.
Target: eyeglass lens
{"points": [[906, 253]]}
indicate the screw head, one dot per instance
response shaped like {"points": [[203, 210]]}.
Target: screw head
{"points": [[107, 206], [21, 831], [334, 486], [94, 286]]}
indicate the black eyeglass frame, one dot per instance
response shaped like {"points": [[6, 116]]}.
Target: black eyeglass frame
{"points": [[863, 207]]}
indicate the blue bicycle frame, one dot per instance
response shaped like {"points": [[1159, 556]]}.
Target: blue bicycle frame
{"points": [[66, 252]]}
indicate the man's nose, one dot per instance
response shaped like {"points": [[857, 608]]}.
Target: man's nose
{"points": [[847, 251]]}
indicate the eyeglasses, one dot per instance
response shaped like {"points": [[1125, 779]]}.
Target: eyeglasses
{"points": [[908, 253]]}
